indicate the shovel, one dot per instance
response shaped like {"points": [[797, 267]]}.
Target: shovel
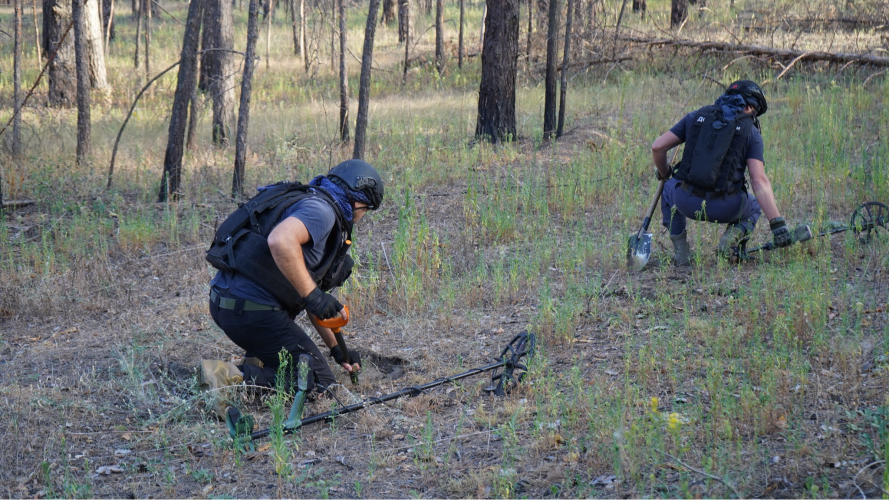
{"points": [[639, 246]]}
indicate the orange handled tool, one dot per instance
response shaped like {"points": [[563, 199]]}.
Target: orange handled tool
{"points": [[336, 324]]}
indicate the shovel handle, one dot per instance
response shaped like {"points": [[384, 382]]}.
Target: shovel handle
{"points": [[648, 213]]}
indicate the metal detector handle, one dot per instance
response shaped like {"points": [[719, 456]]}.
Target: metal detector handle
{"points": [[648, 213], [336, 322]]}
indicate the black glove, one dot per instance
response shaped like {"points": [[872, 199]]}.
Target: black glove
{"points": [[780, 232], [337, 354], [657, 174], [322, 305]]}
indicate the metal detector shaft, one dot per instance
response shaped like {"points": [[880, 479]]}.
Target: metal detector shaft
{"points": [[407, 391]]}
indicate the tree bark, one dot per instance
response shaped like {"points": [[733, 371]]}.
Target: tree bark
{"points": [[108, 21], [244, 107], [36, 33], [81, 58], [95, 42], [344, 76], [639, 6], [217, 66], [61, 72], [190, 142], [185, 85], [678, 12], [364, 82], [405, 23], [439, 37], [563, 84], [147, 20], [389, 11], [530, 29], [268, 34], [17, 83], [552, 50], [460, 38], [496, 97], [294, 23], [303, 50], [138, 34]]}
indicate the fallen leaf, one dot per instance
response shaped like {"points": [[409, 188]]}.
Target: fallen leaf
{"points": [[264, 447]]}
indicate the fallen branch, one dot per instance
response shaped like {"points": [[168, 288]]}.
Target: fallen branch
{"points": [[17, 203], [759, 50], [711, 476]]}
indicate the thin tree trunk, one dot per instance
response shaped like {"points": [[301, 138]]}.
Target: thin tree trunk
{"points": [[109, 25], [216, 66], [138, 35], [185, 85], [563, 90], [81, 61], [303, 50], [552, 49], [36, 32], [406, 20], [530, 29], [293, 23], [639, 6], [364, 81], [147, 4], [268, 33], [344, 77], [496, 96], [17, 83], [333, 29], [439, 37], [460, 39], [389, 11], [95, 44], [190, 142], [244, 108]]}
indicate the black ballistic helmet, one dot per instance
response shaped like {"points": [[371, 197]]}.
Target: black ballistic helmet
{"points": [[358, 175], [751, 92]]}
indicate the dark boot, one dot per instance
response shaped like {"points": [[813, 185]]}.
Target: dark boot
{"points": [[681, 251], [732, 238]]}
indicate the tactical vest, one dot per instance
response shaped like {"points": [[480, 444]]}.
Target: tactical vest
{"points": [[714, 148], [241, 243]]}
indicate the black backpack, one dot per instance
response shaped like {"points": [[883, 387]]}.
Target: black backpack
{"points": [[241, 244], [713, 149]]}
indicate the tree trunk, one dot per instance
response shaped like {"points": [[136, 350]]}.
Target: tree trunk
{"points": [[81, 58], [185, 86], [17, 83], [303, 50], [244, 107], [364, 81], [530, 29], [344, 76], [460, 39], [36, 33], [563, 84], [190, 142], [496, 96], [62, 74], [678, 12], [552, 50], [108, 21], [268, 34], [138, 35], [217, 66], [95, 42], [294, 24], [639, 6], [389, 11], [439, 37], [405, 8], [405, 23], [147, 19]]}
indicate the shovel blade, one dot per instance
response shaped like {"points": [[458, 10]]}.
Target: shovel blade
{"points": [[638, 251]]}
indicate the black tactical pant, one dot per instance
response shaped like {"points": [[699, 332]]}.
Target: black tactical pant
{"points": [[263, 334]]}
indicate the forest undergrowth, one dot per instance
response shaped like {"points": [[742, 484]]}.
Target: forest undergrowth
{"points": [[760, 379]]}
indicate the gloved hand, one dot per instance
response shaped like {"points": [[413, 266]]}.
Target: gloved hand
{"points": [[658, 176], [322, 305], [337, 354], [780, 232]]}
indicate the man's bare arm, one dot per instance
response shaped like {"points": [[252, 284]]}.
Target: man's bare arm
{"points": [[762, 187], [285, 242], [659, 150]]}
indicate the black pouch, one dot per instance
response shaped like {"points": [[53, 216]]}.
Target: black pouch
{"points": [[339, 272]]}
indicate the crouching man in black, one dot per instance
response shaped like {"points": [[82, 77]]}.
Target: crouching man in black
{"points": [[278, 254]]}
